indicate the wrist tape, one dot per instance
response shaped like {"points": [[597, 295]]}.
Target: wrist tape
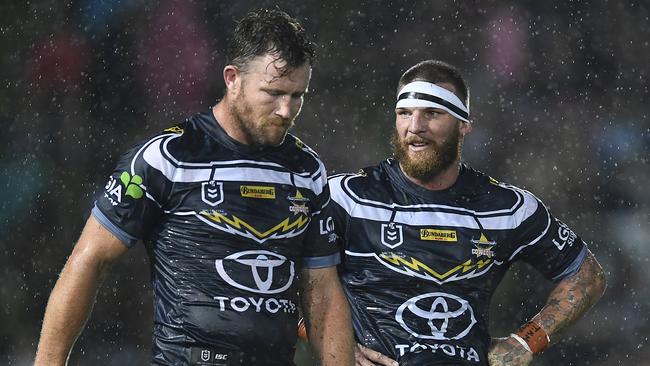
{"points": [[534, 338]]}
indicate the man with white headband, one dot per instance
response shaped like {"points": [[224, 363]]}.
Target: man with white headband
{"points": [[427, 239]]}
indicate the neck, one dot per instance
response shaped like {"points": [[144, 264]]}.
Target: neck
{"points": [[226, 120], [440, 181]]}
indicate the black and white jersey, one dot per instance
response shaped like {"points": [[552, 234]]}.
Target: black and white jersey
{"points": [[227, 228], [420, 266]]}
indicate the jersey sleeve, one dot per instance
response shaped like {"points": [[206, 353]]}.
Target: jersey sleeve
{"points": [[549, 245], [337, 216], [131, 202], [320, 249]]}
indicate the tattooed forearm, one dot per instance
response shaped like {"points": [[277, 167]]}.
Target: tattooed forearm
{"points": [[572, 297]]}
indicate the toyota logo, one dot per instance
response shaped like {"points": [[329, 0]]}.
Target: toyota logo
{"points": [[443, 316], [257, 271]]}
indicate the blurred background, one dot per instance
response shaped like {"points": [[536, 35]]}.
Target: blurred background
{"points": [[559, 98]]}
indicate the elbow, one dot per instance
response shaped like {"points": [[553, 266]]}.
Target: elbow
{"points": [[598, 277], [84, 260]]}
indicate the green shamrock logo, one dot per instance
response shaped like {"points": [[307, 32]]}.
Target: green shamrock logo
{"points": [[132, 185]]}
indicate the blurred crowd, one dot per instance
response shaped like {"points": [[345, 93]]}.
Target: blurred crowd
{"points": [[559, 99]]}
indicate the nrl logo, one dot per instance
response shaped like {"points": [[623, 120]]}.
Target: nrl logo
{"points": [[205, 355], [391, 235], [212, 192]]}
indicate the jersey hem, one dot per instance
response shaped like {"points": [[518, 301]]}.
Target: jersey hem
{"points": [[124, 237], [574, 267], [323, 261]]}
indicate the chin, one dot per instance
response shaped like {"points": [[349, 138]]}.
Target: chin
{"points": [[418, 156]]}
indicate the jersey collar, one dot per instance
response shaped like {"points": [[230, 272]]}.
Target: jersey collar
{"points": [[401, 180]]}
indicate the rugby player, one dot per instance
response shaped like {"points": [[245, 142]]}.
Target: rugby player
{"points": [[227, 204], [427, 239]]}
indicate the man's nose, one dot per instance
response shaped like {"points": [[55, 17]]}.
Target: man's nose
{"points": [[417, 123], [284, 107]]}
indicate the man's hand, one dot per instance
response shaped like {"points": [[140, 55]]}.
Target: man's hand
{"points": [[508, 352], [364, 356]]}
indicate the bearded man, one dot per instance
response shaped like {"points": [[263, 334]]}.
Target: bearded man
{"points": [[224, 203], [427, 239]]}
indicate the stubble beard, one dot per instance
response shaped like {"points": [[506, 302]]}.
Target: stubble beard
{"points": [[427, 164], [244, 116]]}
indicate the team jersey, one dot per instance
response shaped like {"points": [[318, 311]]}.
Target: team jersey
{"points": [[227, 228], [420, 266]]}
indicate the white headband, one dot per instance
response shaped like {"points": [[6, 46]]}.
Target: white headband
{"points": [[424, 94]]}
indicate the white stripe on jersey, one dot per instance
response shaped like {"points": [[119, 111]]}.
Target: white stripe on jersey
{"points": [[168, 156], [338, 178], [548, 224], [202, 172], [419, 216]]}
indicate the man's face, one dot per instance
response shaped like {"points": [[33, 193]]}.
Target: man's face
{"points": [[265, 104], [427, 140]]}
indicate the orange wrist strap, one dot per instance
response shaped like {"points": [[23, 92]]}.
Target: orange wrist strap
{"points": [[302, 330], [534, 336]]}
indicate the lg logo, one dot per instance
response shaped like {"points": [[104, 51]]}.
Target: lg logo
{"points": [[436, 315], [258, 271], [326, 226], [564, 235]]}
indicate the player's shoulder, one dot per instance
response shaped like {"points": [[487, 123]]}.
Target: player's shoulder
{"points": [[496, 195], [295, 145], [169, 148], [158, 145], [299, 157], [505, 190], [367, 182], [195, 140]]}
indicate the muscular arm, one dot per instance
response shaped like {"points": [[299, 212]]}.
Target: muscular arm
{"points": [[567, 303], [72, 298], [572, 297], [328, 317]]}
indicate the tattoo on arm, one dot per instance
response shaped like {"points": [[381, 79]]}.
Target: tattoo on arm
{"points": [[572, 297]]}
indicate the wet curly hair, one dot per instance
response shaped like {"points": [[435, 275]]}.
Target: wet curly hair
{"points": [[270, 31]]}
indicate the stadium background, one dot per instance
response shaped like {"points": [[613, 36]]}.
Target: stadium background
{"points": [[559, 100]]}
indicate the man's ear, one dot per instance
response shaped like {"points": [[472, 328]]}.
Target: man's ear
{"points": [[465, 128], [232, 78]]}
